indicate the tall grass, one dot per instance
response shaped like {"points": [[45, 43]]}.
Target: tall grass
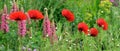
{"points": [[70, 39]]}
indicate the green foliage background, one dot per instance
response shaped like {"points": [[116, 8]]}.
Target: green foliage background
{"points": [[70, 39]]}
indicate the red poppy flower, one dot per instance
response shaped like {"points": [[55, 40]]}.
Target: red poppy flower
{"points": [[102, 23], [105, 27], [93, 32], [83, 27], [35, 14], [18, 16], [68, 15]]}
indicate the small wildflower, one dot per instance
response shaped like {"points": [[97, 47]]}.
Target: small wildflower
{"points": [[112, 1], [35, 50], [23, 48], [29, 49]]}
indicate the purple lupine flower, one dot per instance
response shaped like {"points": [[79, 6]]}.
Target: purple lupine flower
{"points": [[29, 49], [53, 30], [28, 18], [14, 7], [4, 24], [35, 50], [111, 0], [29, 22], [115, 3], [46, 25], [22, 27]]}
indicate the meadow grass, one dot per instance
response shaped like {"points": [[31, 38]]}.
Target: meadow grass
{"points": [[70, 39]]}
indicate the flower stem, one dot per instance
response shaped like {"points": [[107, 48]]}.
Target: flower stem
{"points": [[20, 42]]}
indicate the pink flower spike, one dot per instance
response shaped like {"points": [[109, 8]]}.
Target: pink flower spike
{"points": [[111, 0], [14, 7], [5, 9], [22, 28], [53, 30], [46, 25], [28, 18], [4, 24]]}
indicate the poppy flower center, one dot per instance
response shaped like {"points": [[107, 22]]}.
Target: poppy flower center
{"points": [[92, 35], [80, 29], [100, 25], [33, 17], [18, 18]]}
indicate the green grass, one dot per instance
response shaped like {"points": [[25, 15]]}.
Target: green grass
{"points": [[70, 39]]}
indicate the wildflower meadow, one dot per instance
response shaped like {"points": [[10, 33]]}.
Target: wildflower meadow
{"points": [[59, 25]]}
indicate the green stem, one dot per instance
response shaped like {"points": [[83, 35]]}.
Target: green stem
{"points": [[20, 43]]}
